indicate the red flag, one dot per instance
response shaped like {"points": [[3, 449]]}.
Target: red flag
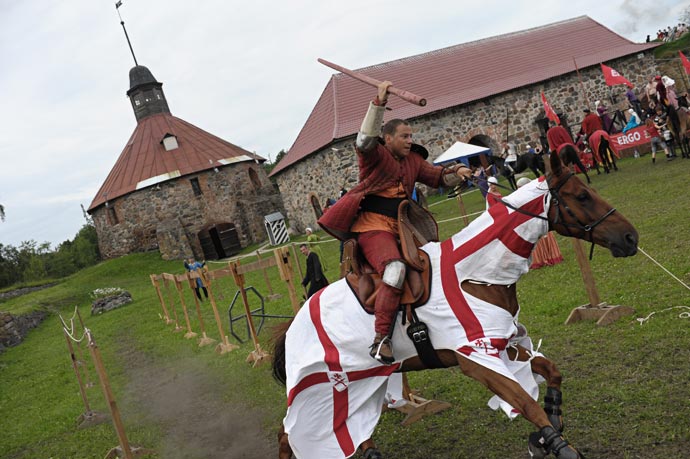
{"points": [[685, 62], [550, 114], [612, 77]]}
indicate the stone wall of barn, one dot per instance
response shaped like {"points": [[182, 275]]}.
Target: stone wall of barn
{"points": [[168, 216], [325, 172]]}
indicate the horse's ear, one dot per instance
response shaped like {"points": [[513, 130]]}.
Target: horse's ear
{"points": [[555, 163]]}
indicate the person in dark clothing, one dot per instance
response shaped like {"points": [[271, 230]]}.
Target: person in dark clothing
{"points": [[314, 276], [193, 265]]}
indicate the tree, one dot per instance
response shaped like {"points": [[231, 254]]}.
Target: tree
{"points": [[2, 213], [268, 167], [685, 16]]}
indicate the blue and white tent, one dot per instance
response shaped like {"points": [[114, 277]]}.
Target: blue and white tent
{"points": [[460, 151]]}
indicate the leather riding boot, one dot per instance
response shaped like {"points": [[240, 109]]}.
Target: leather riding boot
{"points": [[382, 349]]}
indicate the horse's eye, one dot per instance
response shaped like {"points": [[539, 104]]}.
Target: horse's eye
{"points": [[583, 196]]}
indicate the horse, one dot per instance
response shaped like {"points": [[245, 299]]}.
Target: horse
{"points": [[503, 169], [336, 390], [680, 122], [570, 156], [532, 161]]}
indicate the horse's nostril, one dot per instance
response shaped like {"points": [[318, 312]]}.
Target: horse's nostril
{"points": [[631, 238]]}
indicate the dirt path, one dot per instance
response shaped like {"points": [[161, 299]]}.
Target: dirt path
{"points": [[191, 411]]}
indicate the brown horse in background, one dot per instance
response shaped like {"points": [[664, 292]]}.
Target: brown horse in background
{"points": [[570, 208]]}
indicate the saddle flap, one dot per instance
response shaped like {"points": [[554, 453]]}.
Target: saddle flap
{"points": [[416, 288], [410, 239]]}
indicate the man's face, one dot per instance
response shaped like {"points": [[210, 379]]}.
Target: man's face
{"points": [[304, 250], [400, 142]]}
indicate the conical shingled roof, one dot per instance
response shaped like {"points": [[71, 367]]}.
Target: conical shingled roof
{"points": [[458, 75], [145, 161]]}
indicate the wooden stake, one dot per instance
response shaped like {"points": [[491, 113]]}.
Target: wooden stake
{"points": [[225, 346], [258, 355], [178, 286], [107, 392], [603, 313], [282, 256], [80, 355], [271, 295], [154, 281], [204, 340], [299, 267], [166, 278], [463, 212]]}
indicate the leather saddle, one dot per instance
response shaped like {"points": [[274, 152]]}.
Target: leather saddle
{"points": [[365, 282]]}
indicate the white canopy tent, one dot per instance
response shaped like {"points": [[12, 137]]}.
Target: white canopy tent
{"points": [[460, 151]]}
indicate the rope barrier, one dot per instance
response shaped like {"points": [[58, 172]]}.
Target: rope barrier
{"points": [[682, 315], [69, 331], [666, 270]]}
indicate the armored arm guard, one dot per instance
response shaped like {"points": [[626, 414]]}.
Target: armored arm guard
{"points": [[368, 134], [450, 177]]}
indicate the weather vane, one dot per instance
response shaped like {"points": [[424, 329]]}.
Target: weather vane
{"points": [[118, 4]]}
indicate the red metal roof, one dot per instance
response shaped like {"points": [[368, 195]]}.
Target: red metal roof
{"points": [[460, 74], [145, 161]]}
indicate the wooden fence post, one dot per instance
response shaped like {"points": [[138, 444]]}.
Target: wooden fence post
{"points": [[258, 355], [603, 313], [282, 255], [178, 286], [225, 345], [166, 278], [154, 281], [204, 340]]}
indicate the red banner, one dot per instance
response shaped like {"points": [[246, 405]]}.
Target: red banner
{"points": [[550, 113], [632, 138], [612, 77], [686, 63]]}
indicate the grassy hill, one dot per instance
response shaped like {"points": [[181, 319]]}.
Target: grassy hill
{"points": [[625, 385]]}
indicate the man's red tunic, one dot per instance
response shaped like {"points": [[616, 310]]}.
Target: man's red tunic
{"points": [[591, 123], [378, 170], [558, 136]]}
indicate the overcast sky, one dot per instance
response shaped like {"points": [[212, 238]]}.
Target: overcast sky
{"points": [[244, 71]]}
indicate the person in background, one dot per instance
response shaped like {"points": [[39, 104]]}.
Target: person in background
{"points": [[656, 140], [633, 122], [314, 275], [192, 265], [546, 251], [634, 102], [493, 195], [312, 241]]}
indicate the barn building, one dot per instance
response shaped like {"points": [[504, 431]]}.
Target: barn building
{"points": [[483, 92], [179, 189]]}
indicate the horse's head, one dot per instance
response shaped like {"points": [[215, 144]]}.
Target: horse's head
{"points": [[578, 211]]}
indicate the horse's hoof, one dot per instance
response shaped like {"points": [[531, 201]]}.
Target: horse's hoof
{"points": [[535, 446], [372, 453]]}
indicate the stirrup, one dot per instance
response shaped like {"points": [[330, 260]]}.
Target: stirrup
{"points": [[375, 350]]}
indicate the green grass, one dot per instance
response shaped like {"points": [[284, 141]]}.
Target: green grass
{"points": [[625, 385], [670, 50]]}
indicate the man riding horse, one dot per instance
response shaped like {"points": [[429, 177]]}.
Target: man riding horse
{"points": [[389, 166]]}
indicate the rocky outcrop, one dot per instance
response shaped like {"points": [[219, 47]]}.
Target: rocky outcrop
{"points": [[13, 329], [109, 303]]}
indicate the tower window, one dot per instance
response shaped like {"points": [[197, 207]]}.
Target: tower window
{"points": [[169, 142], [137, 102], [195, 186]]}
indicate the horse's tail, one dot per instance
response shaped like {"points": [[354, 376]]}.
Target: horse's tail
{"points": [[279, 333]]}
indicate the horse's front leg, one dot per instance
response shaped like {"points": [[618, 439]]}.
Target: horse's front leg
{"points": [[549, 371], [515, 395], [369, 450], [284, 450]]}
